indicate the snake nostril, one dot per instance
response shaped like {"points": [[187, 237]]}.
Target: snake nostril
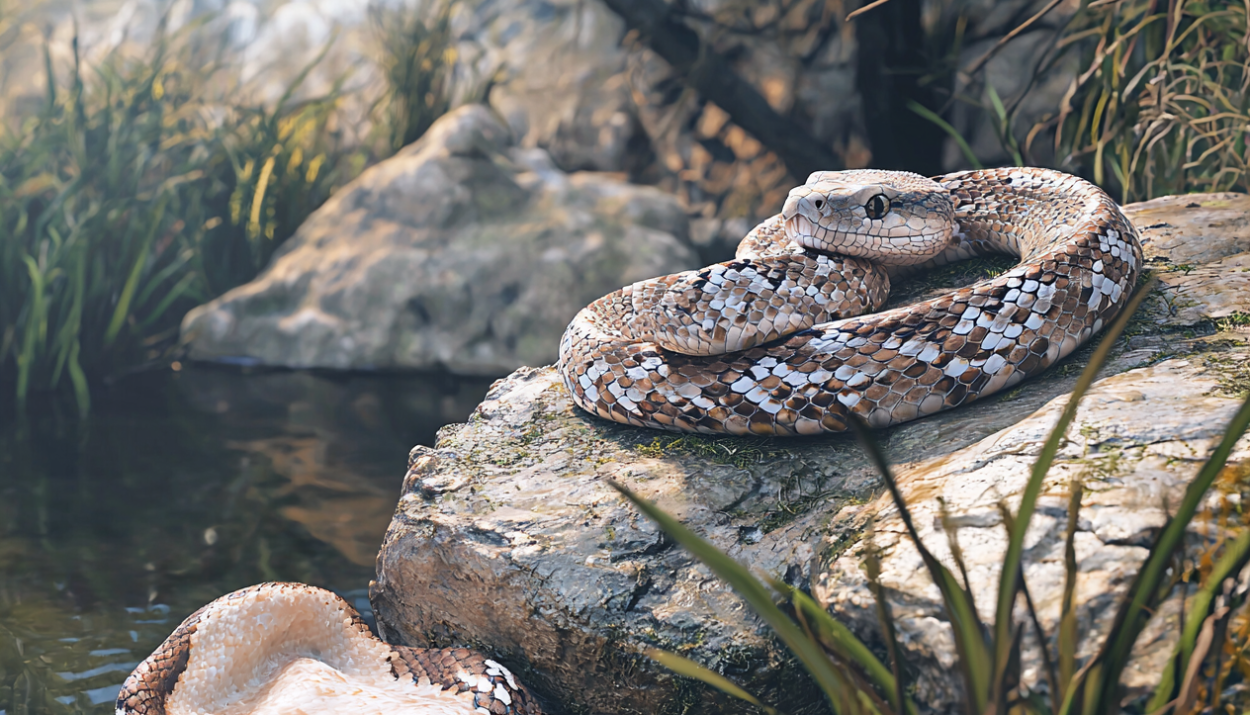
{"points": [[820, 204]]}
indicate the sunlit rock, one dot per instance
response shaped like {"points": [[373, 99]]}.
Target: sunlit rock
{"points": [[512, 538], [463, 252]]}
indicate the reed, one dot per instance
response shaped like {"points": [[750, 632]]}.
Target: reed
{"points": [[1161, 102], [150, 183]]}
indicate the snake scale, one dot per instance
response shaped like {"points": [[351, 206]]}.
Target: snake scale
{"points": [[285, 648], [782, 341]]}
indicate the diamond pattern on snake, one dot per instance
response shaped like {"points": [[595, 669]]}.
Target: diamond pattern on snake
{"points": [[785, 340]]}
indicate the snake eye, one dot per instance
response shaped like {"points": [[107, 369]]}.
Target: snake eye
{"points": [[877, 206]]}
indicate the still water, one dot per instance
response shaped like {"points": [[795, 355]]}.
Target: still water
{"points": [[182, 487]]}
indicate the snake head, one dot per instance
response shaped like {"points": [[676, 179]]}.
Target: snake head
{"points": [[889, 217]]}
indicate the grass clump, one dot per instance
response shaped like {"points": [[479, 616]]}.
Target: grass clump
{"points": [[132, 196], [1160, 104], [416, 55], [1233, 322], [1232, 371], [148, 184], [856, 681]]}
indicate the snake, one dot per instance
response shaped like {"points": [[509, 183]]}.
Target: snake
{"points": [[286, 648], [788, 337]]}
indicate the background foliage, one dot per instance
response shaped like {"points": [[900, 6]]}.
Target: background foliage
{"points": [[1160, 105], [1156, 99], [145, 185]]}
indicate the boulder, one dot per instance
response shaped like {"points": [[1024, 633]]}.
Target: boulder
{"points": [[508, 537], [463, 252], [557, 71]]}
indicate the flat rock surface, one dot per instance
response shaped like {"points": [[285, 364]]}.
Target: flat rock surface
{"points": [[508, 537], [1205, 241], [462, 252]]}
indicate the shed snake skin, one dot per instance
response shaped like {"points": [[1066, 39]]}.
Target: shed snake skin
{"points": [[777, 342], [289, 648]]}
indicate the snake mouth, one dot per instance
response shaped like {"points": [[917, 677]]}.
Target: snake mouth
{"points": [[799, 227]]}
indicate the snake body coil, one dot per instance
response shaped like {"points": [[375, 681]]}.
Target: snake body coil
{"points": [[285, 648], [774, 342]]}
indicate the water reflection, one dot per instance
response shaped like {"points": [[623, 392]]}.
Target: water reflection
{"points": [[181, 487]]}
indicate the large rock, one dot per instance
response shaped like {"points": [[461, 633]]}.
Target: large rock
{"points": [[557, 70], [508, 537], [462, 252]]}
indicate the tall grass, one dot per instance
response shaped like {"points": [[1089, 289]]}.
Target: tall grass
{"points": [[1159, 102], [856, 682], [417, 56], [146, 185], [1162, 99]]}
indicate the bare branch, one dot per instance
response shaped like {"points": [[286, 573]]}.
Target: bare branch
{"points": [[865, 9], [1009, 36]]}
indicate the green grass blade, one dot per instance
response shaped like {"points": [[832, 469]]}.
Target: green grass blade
{"points": [[974, 657], [122, 309], [67, 339], [82, 392], [945, 126], [140, 258], [1145, 592], [302, 75], [756, 595], [1009, 583], [1067, 638], [1048, 663], [952, 543], [1233, 560], [36, 316], [177, 266], [1004, 125], [886, 618], [691, 669], [838, 638], [179, 290]]}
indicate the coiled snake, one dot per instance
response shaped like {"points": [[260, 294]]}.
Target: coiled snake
{"points": [[285, 648], [774, 342]]}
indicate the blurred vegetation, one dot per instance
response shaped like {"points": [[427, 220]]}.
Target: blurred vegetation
{"points": [[149, 183], [416, 57], [1160, 105], [1210, 653], [1156, 100]]}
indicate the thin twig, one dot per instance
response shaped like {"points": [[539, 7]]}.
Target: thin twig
{"points": [[976, 66], [865, 9]]}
